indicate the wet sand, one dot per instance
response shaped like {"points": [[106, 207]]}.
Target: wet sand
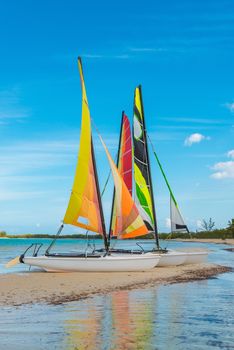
{"points": [[57, 288]]}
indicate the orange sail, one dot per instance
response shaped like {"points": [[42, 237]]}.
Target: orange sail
{"points": [[129, 223], [84, 208], [124, 164]]}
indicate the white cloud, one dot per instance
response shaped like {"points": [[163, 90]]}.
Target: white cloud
{"points": [[195, 138], [168, 223], [223, 170], [147, 49], [104, 56], [10, 106], [194, 120], [8, 195], [230, 106], [230, 154], [43, 153]]}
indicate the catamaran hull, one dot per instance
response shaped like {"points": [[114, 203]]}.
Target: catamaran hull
{"points": [[195, 258], [172, 258], [94, 264]]}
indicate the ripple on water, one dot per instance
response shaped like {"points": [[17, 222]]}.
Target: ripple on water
{"points": [[196, 315]]}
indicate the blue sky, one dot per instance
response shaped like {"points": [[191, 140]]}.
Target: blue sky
{"points": [[181, 52]]}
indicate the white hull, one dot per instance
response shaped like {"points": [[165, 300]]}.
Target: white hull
{"points": [[94, 264], [172, 258], [195, 257]]}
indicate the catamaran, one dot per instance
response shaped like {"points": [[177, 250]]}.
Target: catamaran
{"points": [[178, 223], [85, 210], [134, 157]]}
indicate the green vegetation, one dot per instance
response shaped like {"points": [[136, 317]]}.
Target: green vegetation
{"points": [[208, 232], [216, 234], [3, 234], [207, 225], [41, 235]]}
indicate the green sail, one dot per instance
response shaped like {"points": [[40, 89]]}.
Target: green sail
{"points": [[143, 188]]}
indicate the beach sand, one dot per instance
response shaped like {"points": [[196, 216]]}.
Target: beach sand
{"points": [[57, 288]]}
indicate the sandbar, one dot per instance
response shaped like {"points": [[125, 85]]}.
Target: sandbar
{"points": [[57, 288]]}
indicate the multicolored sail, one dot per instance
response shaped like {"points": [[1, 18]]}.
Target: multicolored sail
{"points": [[143, 188], [129, 223], [84, 208], [124, 164]]}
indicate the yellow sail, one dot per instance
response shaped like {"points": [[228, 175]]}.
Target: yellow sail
{"points": [[84, 208], [129, 223]]}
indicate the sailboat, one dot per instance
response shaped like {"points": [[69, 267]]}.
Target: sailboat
{"points": [[177, 221], [137, 165], [144, 191], [85, 210]]}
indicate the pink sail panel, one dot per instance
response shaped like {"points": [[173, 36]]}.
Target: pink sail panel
{"points": [[125, 171], [125, 155]]}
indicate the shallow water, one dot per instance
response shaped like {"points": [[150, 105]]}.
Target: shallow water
{"points": [[196, 315]]}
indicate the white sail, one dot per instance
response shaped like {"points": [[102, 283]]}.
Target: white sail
{"points": [[177, 222]]}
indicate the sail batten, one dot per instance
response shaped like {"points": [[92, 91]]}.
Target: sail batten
{"points": [[85, 208]]}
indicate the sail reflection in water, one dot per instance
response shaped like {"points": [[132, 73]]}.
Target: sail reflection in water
{"points": [[118, 321], [85, 330]]}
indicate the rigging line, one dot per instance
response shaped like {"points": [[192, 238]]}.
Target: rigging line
{"points": [[160, 166], [99, 134], [102, 193], [109, 174], [167, 183], [106, 183]]}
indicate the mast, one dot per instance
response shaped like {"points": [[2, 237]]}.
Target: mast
{"points": [[149, 172], [113, 198], [99, 199]]}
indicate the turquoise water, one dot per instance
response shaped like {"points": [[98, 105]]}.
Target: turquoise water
{"points": [[10, 248], [196, 315]]}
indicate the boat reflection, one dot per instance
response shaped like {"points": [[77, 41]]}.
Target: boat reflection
{"points": [[117, 321]]}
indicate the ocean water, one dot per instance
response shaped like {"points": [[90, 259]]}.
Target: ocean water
{"points": [[194, 315]]}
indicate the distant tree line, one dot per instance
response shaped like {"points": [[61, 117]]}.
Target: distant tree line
{"points": [[208, 230]]}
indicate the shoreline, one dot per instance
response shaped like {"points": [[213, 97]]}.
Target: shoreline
{"points": [[228, 241], [59, 288]]}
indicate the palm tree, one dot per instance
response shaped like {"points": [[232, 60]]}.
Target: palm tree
{"points": [[231, 227]]}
